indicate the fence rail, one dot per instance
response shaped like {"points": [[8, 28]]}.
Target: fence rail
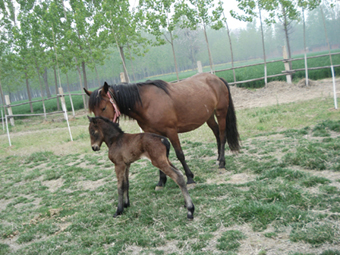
{"points": [[279, 60]]}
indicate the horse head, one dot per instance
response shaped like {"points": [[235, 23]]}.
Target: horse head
{"points": [[102, 103]]}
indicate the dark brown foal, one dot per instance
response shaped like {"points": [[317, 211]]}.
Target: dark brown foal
{"points": [[125, 149]]}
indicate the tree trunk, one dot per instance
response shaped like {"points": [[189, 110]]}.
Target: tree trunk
{"points": [[56, 87], [85, 80], [173, 53], [304, 45], [94, 64], [285, 27], [133, 69], [210, 57], [28, 91], [231, 48], [84, 74], [121, 51], [47, 87], [2, 94], [80, 82], [264, 51], [69, 94], [41, 86]]}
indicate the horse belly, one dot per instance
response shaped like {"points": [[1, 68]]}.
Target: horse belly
{"points": [[192, 118]]}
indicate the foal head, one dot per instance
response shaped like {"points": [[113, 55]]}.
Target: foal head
{"points": [[102, 130]]}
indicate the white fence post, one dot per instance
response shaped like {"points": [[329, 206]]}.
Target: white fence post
{"points": [[199, 67], [334, 88], [122, 77], [9, 109], [286, 63], [9, 138], [2, 120], [63, 106]]}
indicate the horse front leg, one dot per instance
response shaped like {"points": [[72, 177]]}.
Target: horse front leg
{"points": [[121, 186], [173, 137]]}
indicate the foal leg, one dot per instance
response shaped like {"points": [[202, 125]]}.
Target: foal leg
{"points": [[122, 187], [126, 191], [214, 127], [178, 178], [173, 137]]}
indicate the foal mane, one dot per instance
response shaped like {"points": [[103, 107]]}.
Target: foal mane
{"points": [[111, 125], [127, 95]]}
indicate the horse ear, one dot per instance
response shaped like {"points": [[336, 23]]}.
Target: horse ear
{"points": [[87, 92], [106, 87]]}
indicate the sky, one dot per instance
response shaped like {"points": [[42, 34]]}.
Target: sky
{"points": [[228, 5]]}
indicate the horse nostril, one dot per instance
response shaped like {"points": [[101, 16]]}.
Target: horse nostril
{"points": [[95, 148]]}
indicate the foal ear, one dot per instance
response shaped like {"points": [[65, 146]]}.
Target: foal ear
{"points": [[105, 87], [91, 119], [87, 92]]}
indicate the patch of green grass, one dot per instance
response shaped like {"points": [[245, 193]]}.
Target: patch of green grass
{"points": [[330, 252], [229, 241], [270, 234], [315, 234], [4, 249]]}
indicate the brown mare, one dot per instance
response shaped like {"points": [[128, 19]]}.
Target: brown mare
{"points": [[125, 149], [168, 109]]}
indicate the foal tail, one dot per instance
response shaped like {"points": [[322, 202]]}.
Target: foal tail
{"points": [[166, 142], [231, 124]]}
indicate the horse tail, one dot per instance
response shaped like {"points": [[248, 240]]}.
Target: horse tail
{"points": [[166, 142], [232, 134]]}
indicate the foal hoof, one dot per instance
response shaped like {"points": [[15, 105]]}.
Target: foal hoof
{"points": [[159, 188], [222, 170], [191, 185]]}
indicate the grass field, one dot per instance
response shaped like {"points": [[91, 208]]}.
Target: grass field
{"points": [[279, 195]]}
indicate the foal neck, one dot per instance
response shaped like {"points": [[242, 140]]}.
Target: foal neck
{"points": [[111, 131]]}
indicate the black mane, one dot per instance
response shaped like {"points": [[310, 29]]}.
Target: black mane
{"points": [[126, 95], [110, 123]]}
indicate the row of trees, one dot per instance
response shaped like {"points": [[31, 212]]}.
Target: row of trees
{"points": [[87, 35]]}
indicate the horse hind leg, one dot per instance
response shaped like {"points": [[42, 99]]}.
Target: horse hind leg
{"points": [[221, 119], [162, 180], [212, 124]]}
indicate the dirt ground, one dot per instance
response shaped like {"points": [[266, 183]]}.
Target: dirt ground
{"points": [[279, 92]]}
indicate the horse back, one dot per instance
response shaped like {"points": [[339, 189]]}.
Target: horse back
{"points": [[132, 147]]}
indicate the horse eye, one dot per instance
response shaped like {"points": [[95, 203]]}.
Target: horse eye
{"points": [[104, 108]]}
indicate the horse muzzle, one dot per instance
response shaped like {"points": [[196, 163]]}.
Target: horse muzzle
{"points": [[95, 147]]}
